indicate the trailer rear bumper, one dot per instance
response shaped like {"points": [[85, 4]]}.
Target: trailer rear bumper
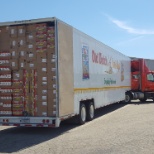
{"points": [[30, 121]]}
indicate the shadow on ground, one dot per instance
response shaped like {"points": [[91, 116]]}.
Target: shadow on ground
{"points": [[14, 139]]}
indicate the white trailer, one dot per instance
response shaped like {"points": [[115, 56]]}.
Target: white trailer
{"points": [[88, 75]]}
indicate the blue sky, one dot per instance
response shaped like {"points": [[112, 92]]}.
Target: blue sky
{"points": [[125, 25]]}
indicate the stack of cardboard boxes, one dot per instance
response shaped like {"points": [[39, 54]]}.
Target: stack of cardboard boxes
{"points": [[28, 70]]}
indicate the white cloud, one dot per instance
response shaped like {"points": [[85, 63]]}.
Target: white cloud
{"points": [[130, 29]]}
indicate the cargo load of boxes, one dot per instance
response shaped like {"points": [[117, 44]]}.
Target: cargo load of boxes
{"points": [[28, 70]]}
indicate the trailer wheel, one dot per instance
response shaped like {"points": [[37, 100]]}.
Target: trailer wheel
{"points": [[127, 98], [90, 111], [82, 115]]}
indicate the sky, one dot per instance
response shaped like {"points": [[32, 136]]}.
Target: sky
{"points": [[124, 25]]}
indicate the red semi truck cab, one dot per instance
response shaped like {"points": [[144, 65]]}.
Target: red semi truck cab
{"points": [[142, 80]]}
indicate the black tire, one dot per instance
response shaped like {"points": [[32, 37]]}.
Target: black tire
{"points": [[90, 111], [127, 98], [82, 115]]}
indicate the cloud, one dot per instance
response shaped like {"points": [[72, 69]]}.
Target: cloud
{"points": [[130, 29]]}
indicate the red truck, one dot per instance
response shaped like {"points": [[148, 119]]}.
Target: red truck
{"points": [[142, 80]]}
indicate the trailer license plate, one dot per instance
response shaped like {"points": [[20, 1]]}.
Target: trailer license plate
{"points": [[25, 120]]}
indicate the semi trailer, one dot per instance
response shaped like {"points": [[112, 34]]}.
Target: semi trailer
{"points": [[50, 71]]}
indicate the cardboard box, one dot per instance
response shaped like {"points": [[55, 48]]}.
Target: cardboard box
{"points": [[13, 31], [5, 113], [5, 55], [41, 57], [22, 64], [41, 28], [17, 105], [7, 105], [14, 43], [21, 31], [50, 30], [17, 84], [4, 30], [16, 112], [5, 98], [14, 64], [31, 37], [30, 28], [31, 47], [4, 77], [4, 63], [31, 55], [14, 54], [22, 54], [17, 75], [41, 36], [5, 83], [21, 43], [51, 38], [31, 64], [41, 108], [51, 103], [41, 50], [41, 44]]}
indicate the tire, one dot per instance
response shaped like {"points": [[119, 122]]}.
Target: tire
{"points": [[82, 115], [90, 111], [127, 98]]}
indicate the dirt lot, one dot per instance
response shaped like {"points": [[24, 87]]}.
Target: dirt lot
{"points": [[117, 129]]}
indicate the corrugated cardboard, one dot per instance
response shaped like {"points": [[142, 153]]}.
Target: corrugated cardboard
{"points": [[21, 31], [21, 43], [13, 31], [14, 54]]}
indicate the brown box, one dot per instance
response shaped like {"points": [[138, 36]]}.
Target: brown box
{"points": [[5, 113], [50, 30], [4, 30], [31, 47], [31, 55], [21, 31], [17, 105], [31, 37], [22, 54], [5, 98], [31, 64], [41, 44], [17, 84], [14, 54], [5, 76], [41, 108], [7, 105], [41, 36], [41, 57], [13, 43], [17, 75], [4, 63], [5, 55], [41, 28], [41, 50], [21, 43], [14, 64], [13, 31], [51, 103], [51, 45], [51, 38], [30, 28], [17, 112], [22, 64]]}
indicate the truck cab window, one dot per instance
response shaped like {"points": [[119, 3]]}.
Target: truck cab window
{"points": [[150, 77]]}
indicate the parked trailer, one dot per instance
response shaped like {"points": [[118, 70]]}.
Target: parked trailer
{"points": [[50, 71]]}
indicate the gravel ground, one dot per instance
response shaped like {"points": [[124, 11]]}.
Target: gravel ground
{"points": [[117, 129]]}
